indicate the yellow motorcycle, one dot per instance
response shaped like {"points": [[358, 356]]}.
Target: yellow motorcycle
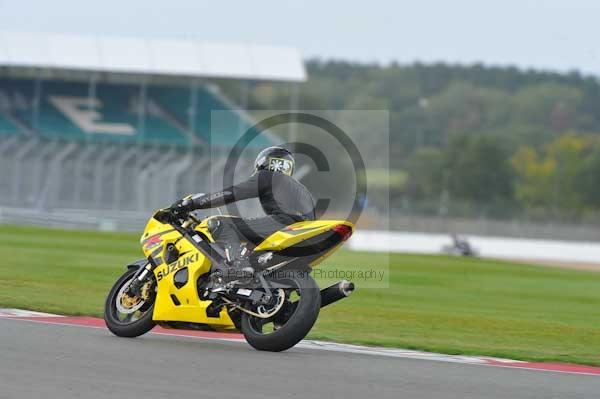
{"points": [[187, 280]]}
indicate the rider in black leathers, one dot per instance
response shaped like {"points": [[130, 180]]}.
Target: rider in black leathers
{"points": [[283, 199]]}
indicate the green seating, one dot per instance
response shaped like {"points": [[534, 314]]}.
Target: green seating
{"points": [[7, 127], [215, 122], [63, 112]]}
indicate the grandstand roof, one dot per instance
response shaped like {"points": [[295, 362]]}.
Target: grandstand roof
{"points": [[194, 58]]}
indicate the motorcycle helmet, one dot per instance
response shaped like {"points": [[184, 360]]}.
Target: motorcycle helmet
{"points": [[275, 159]]}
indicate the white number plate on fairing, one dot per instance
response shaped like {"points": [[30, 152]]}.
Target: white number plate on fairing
{"points": [[196, 238]]}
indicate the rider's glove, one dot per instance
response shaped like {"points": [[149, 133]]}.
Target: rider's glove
{"points": [[182, 206], [186, 204]]}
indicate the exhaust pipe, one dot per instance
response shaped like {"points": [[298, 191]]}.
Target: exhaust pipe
{"points": [[334, 293]]}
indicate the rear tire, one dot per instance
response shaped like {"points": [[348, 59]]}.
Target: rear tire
{"points": [[132, 329], [296, 327]]}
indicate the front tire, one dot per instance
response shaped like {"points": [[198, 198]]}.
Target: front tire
{"points": [[293, 326], [140, 321]]}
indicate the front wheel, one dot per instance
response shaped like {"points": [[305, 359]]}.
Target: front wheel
{"points": [[128, 316], [298, 313]]}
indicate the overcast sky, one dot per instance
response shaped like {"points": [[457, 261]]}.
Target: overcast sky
{"points": [[548, 34]]}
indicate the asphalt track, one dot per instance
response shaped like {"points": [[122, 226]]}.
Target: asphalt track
{"points": [[58, 361]]}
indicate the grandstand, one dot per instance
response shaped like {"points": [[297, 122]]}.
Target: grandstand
{"points": [[121, 124]]}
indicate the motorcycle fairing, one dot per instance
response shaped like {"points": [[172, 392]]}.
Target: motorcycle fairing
{"points": [[297, 233], [181, 302]]}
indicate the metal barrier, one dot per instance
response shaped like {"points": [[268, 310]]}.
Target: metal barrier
{"points": [[46, 175], [75, 219]]}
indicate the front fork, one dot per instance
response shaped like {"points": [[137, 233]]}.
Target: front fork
{"points": [[138, 279]]}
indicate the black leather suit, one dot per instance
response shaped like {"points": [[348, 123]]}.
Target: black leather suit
{"points": [[283, 199]]}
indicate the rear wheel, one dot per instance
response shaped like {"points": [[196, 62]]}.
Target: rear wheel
{"points": [[128, 316], [298, 310]]}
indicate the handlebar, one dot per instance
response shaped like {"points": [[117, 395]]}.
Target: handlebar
{"points": [[167, 215]]}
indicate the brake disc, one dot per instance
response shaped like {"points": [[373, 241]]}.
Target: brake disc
{"points": [[262, 312], [266, 313], [127, 304]]}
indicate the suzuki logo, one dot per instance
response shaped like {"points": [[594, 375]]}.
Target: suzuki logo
{"points": [[173, 267]]}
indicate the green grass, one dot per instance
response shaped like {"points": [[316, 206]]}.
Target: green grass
{"points": [[436, 303]]}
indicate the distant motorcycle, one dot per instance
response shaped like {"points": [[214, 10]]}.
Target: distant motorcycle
{"points": [[189, 281], [460, 247]]}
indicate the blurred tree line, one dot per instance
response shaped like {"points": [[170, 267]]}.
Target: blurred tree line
{"points": [[470, 140]]}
